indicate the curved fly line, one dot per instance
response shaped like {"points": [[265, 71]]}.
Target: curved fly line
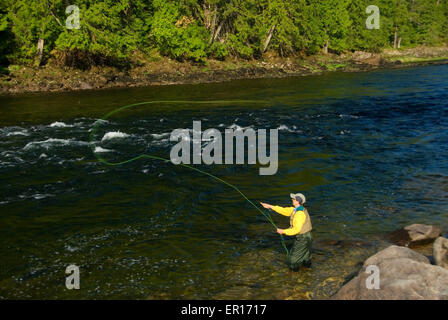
{"points": [[149, 156]]}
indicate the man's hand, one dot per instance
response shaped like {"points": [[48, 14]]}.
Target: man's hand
{"points": [[280, 231], [266, 206]]}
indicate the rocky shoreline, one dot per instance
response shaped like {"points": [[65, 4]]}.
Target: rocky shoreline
{"points": [[339, 270], [164, 71], [403, 273]]}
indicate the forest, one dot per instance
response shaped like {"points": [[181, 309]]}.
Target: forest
{"points": [[113, 32]]}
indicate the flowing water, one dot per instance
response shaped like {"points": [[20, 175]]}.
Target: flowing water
{"points": [[369, 150]]}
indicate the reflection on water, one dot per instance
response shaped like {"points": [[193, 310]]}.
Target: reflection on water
{"points": [[368, 150]]}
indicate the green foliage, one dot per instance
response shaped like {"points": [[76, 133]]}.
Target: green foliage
{"points": [[427, 21], [5, 35], [176, 34], [219, 50], [361, 38], [107, 31], [112, 31], [290, 21], [32, 20], [331, 24]]}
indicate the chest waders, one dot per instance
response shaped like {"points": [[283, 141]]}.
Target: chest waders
{"points": [[300, 254]]}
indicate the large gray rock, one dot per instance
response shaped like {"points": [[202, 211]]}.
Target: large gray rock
{"points": [[403, 275], [440, 252], [415, 235]]}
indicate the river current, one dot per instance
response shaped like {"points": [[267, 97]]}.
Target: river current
{"points": [[369, 151]]}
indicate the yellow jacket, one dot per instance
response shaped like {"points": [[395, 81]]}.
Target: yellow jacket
{"points": [[297, 223]]}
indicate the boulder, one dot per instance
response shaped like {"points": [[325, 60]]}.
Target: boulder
{"points": [[440, 252], [359, 56], [414, 235], [403, 275], [85, 86], [369, 58]]}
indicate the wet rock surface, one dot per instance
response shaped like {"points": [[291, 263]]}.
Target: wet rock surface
{"points": [[414, 235]]}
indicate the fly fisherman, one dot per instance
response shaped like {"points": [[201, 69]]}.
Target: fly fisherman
{"points": [[300, 227]]}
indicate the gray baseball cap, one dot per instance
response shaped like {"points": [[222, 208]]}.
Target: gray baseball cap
{"points": [[301, 196]]}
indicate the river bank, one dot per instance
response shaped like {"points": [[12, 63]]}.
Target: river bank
{"points": [[164, 71]]}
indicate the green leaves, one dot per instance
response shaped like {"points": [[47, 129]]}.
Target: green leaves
{"points": [[332, 22], [112, 30], [176, 34], [106, 30]]}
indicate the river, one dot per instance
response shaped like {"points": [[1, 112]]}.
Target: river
{"points": [[369, 151]]}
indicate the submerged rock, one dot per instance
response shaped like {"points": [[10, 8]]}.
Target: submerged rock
{"points": [[414, 235], [440, 252], [342, 243], [403, 274], [85, 86]]}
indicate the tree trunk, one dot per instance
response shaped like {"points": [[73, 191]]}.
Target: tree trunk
{"points": [[268, 38], [399, 43], [40, 51], [218, 30], [325, 50], [213, 25], [396, 38], [206, 11]]}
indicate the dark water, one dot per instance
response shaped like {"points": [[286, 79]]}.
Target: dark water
{"points": [[368, 150]]}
